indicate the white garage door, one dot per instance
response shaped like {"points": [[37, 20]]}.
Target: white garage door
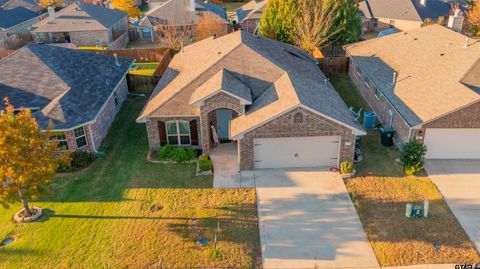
{"points": [[296, 151], [452, 143]]}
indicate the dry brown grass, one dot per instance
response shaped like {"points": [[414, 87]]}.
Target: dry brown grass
{"points": [[380, 194]]}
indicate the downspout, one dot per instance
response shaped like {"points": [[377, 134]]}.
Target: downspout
{"points": [[91, 138], [151, 34]]}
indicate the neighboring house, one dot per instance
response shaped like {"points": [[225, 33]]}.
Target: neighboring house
{"points": [[16, 20], [84, 25], [177, 13], [268, 97], [403, 15], [28, 4], [75, 94], [427, 88], [249, 15]]}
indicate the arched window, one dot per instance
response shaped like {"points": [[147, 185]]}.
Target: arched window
{"points": [[178, 132], [298, 118]]}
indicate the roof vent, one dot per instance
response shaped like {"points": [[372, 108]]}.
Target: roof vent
{"points": [[423, 3], [394, 79], [467, 40], [116, 59]]}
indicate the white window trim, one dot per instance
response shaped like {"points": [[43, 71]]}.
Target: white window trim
{"points": [[61, 140], [366, 80], [77, 137], [375, 90], [177, 124], [357, 68]]}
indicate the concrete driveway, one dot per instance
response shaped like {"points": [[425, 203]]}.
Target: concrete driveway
{"points": [[307, 220], [459, 183]]}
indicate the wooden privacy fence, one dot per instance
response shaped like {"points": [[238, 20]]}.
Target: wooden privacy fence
{"points": [[334, 65], [16, 41], [139, 55]]}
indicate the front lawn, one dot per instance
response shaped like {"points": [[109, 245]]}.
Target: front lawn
{"points": [[380, 192], [123, 212]]}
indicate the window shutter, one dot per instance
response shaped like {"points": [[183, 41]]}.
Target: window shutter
{"points": [[162, 132], [193, 133]]}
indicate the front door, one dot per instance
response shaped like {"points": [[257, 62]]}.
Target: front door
{"points": [[223, 123]]}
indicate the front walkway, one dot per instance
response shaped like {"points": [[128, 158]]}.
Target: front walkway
{"points": [[225, 166], [459, 183], [307, 220]]}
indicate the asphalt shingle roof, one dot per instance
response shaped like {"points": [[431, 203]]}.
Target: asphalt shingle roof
{"points": [[177, 12], [251, 10], [436, 73], [280, 77], [80, 16], [15, 16], [68, 87], [410, 10]]}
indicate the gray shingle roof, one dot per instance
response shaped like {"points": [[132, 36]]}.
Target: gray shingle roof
{"points": [[80, 16], [14, 16], [28, 4], [436, 73], [410, 10], [280, 77], [251, 10], [68, 87]]}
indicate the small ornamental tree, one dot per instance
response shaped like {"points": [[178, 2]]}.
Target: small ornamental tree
{"points": [[53, 3], [473, 18], [29, 159], [209, 25], [127, 6], [278, 20], [412, 157]]}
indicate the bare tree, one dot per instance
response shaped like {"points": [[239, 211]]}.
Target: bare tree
{"points": [[174, 36], [314, 27], [209, 25]]}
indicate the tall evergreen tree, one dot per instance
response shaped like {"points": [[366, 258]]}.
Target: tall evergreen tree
{"points": [[278, 20], [347, 25]]}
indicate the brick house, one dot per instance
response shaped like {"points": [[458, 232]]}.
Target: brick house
{"points": [[427, 88], [267, 97], [182, 14], [74, 94], [248, 16], [84, 25], [405, 15]]}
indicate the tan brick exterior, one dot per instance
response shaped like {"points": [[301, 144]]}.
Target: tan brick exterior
{"points": [[249, 25], [89, 38], [283, 126], [384, 23], [218, 101], [380, 105]]}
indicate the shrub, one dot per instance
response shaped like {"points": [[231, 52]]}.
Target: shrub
{"points": [[204, 163], [176, 154], [346, 167], [78, 160], [412, 157], [166, 152]]}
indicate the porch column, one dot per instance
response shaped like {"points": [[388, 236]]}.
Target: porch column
{"points": [[205, 129]]}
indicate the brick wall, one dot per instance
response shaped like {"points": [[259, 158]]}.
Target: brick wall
{"points": [[283, 126], [154, 136], [380, 105], [402, 25], [218, 101], [107, 116], [249, 25], [89, 38]]}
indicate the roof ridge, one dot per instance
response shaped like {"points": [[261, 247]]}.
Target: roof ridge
{"points": [[142, 115]]}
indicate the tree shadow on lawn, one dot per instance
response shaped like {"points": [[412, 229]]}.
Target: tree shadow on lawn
{"points": [[124, 166]]}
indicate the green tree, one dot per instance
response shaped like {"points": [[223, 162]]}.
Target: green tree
{"points": [[347, 24], [278, 20], [29, 157]]}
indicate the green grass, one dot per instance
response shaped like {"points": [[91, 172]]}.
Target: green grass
{"points": [[380, 192], [232, 6], [143, 69], [105, 217]]}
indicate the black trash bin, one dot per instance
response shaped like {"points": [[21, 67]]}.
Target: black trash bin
{"points": [[387, 136]]}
